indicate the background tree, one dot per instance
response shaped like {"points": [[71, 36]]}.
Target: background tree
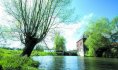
{"points": [[39, 48], [59, 42], [97, 35], [114, 30], [34, 19]]}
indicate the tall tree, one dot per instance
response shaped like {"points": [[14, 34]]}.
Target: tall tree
{"points": [[35, 18], [98, 35], [59, 43]]}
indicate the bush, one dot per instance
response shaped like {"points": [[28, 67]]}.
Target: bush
{"points": [[18, 63], [111, 52]]}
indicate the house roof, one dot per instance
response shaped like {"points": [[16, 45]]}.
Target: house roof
{"points": [[81, 38]]}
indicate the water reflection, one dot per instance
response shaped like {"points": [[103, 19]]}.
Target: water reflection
{"points": [[101, 63], [76, 63]]}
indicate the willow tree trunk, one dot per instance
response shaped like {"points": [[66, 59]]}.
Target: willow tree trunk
{"points": [[30, 43]]}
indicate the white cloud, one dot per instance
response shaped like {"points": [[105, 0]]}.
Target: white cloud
{"points": [[72, 32], [69, 31]]}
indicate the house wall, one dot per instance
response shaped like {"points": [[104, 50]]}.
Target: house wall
{"points": [[80, 48]]}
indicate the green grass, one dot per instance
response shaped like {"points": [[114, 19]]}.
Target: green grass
{"points": [[18, 63], [11, 60], [7, 52]]}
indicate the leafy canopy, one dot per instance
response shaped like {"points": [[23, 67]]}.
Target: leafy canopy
{"points": [[97, 35], [59, 42]]}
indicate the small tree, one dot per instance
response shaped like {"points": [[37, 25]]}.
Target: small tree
{"points": [[35, 18], [59, 43]]}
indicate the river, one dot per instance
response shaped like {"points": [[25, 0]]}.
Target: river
{"points": [[76, 63]]}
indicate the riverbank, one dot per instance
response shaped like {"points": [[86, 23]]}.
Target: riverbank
{"points": [[18, 63], [11, 60], [9, 52]]}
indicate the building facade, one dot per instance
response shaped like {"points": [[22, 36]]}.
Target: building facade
{"points": [[81, 48]]}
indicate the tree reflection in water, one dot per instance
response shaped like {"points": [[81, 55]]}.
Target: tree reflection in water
{"points": [[92, 63], [61, 62], [76, 63]]}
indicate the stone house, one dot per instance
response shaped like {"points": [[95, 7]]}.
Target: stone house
{"points": [[81, 48]]}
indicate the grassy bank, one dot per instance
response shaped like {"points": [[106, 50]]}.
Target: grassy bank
{"points": [[11, 60], [18, 63], [8, 52]]}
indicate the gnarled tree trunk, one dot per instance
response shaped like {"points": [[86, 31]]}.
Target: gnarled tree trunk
{"points": [[29, 45]]}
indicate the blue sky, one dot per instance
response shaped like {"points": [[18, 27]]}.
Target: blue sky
{"points": [[100, 8]]}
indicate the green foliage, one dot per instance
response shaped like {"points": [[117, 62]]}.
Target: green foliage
{"points": [[114, 33], [18, 63], [59, 43], [115, 23], [91, 52], [8, 52], [101, 35], [97, 35], [112, 52]]}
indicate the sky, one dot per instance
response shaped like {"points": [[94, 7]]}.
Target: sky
{"points": [[100, 8], [84, 11]]}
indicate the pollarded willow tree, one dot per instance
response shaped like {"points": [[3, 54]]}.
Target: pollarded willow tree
{"points": [[34, 19]]}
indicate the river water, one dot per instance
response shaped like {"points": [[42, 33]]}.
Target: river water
{"points": [[76, 63]]}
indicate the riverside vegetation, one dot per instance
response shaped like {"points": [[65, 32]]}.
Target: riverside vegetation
{"points": [[11, 60]]}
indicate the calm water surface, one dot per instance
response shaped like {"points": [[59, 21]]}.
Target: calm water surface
{"points": [[76, 63]]}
